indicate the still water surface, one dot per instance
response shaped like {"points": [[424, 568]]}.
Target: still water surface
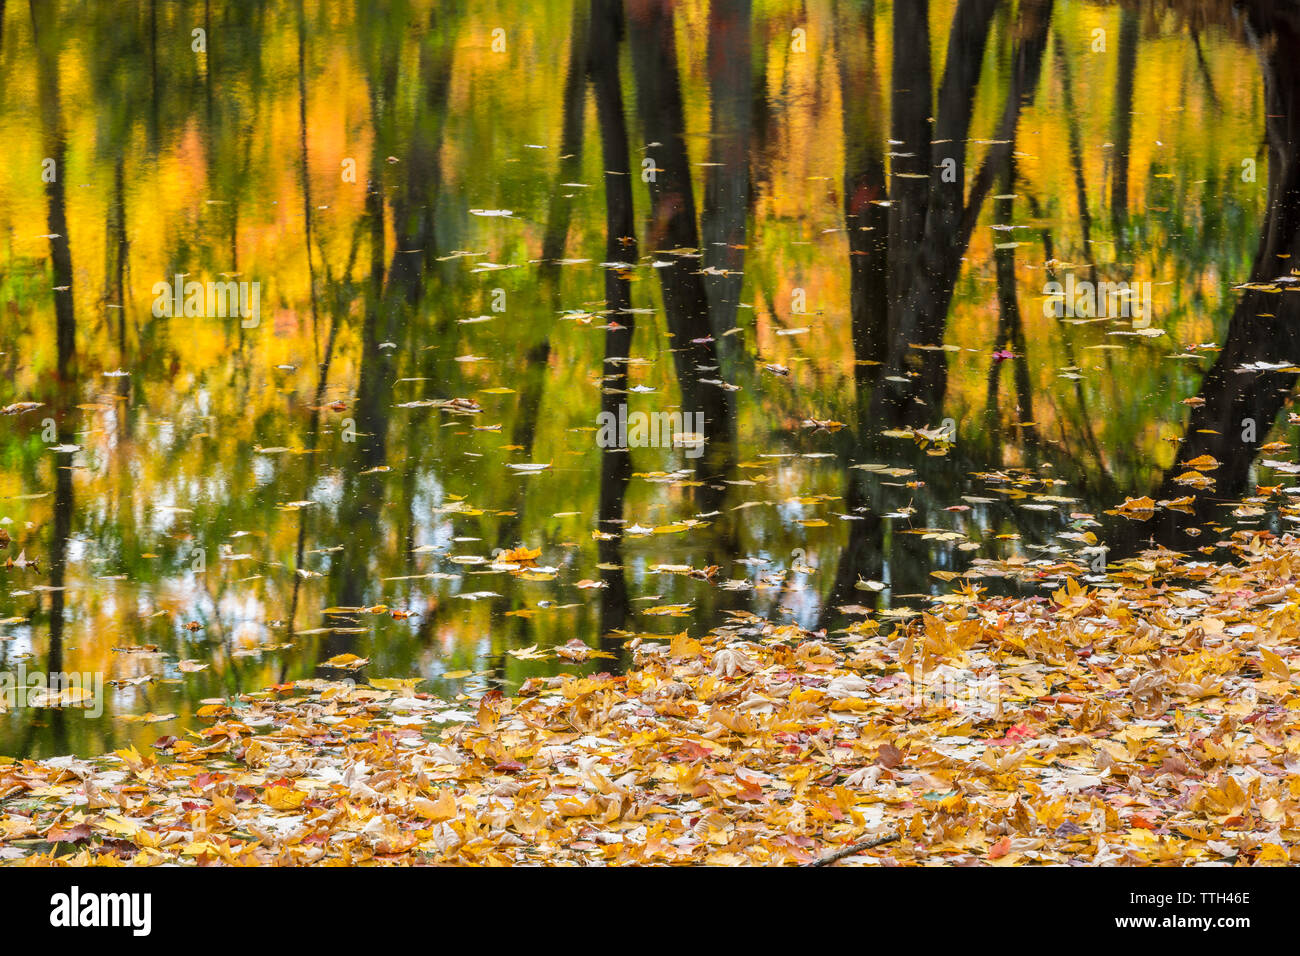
{"points": [[808, 230]]}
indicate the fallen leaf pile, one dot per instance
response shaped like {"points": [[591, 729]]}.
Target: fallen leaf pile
{"points": [[1150, 721]]}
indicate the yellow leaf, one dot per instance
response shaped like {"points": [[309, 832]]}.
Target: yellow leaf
{"points": [[119, 825], [519, 554], [1273, 854], [1274, 666], [436, 811], [683, 646], [284, 798], [349, 661], [394, 683]]}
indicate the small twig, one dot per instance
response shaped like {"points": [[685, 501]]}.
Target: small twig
{"points": [[841, 853]]}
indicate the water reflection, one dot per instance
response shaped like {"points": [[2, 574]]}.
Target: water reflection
{"points": [[816, 229]]}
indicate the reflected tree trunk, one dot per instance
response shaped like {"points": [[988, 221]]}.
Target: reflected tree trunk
{"points": [[115, 254], [620, 246], [1011, 332], [1238, 407], [697, 340], [909, 185], [571, 135], [911, 392], [726, 187], [362, 498], [673, 232], [1123, 134], [865, 220], [44, 30], [305, 174], [861, 558], [414, 201]]}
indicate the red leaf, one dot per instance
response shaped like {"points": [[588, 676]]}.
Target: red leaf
{"points": [[72, 835]]}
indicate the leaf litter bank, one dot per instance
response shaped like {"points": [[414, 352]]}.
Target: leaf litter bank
{"points": [[1151, 721]]}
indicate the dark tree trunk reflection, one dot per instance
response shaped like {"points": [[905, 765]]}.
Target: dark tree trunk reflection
{"points": [[1236, 408]]}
